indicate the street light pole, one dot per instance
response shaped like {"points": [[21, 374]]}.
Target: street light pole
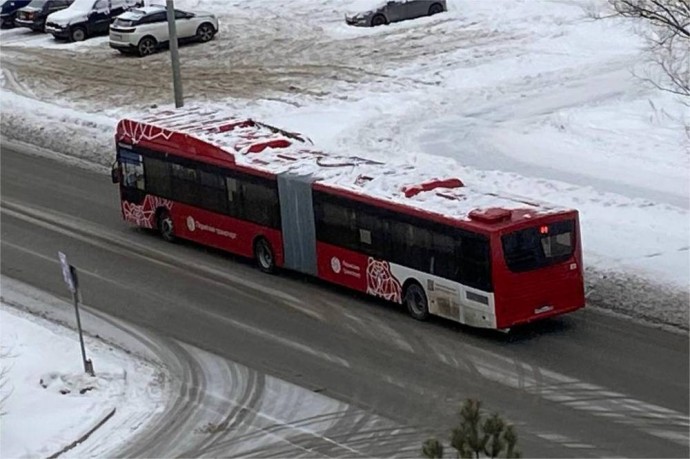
{"points": [[174, 54]]}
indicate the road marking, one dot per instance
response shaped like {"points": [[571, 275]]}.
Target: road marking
{"points": [[248, 328], [652, 419], [284, 341], [209, 364], [99, 237], [563, 440], [372, 327], [304, 309], [649, 418]]}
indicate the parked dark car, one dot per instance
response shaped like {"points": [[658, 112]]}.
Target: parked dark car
{"points": [[87, 18], [8, 11], [372, 13], [34, 15]]}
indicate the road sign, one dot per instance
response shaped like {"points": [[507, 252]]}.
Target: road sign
{"points": [[67, 273]]}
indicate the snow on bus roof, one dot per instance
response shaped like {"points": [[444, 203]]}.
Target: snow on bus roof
{"points": [[259, 146]]}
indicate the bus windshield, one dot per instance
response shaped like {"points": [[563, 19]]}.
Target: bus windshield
{"points": [[539, 247]]}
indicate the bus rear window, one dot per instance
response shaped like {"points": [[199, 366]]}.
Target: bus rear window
{"points": [[538, 247]]}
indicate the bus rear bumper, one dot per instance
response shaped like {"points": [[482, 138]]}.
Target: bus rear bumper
{"points": [[540, 316]]}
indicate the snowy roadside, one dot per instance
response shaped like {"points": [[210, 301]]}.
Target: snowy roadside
{"points": [[522, 98], [611, 285], [201, 404], [50, 405]]}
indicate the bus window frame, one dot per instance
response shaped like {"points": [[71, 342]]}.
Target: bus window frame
{"points": [[393, 252], [271, 219]]}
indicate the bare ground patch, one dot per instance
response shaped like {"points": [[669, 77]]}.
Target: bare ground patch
{"points": [[281, 56]]}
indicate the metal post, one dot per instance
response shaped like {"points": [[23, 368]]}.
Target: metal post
{"points": [[81, 336], [88, 366], [174, 54]]}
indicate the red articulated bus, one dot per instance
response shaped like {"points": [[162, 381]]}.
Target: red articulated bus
{"points": [[432, 243]]}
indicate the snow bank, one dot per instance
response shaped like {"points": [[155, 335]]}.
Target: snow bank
{"points": [[77, 134], [48, 400]]}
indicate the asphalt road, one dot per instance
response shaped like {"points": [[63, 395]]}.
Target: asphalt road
{"points": [[585, 385]]}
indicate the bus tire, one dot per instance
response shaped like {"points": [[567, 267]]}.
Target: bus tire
{"points": [[264, 256], [165, 225], [415, 300]]}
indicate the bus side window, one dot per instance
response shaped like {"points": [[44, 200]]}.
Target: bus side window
{"points": [[260, 204], [373, 234], [157, 177], [336, 224], [233, 196], [212, 191], [185, 187], [475, 262], [445, 262], [411, 246]]}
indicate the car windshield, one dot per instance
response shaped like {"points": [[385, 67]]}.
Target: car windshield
{"points": [[129, 19], [119, 22], [136, 13], [37, 3], [540, 246]]}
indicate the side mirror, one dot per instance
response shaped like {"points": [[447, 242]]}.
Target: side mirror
{"points": [[115, 173]]}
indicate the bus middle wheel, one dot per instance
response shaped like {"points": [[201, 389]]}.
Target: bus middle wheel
{"points": [[263, 254], [416, 302]]}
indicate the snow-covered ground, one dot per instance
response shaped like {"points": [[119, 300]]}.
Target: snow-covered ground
{"points": [[530, 97], [170, 399], [50, 405]]}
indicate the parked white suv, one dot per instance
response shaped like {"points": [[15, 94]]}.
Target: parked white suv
{"points": [[144, 30]]}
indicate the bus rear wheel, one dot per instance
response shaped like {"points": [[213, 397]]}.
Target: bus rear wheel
{"points": [[165, 225], [263, 254], [416, 302]]}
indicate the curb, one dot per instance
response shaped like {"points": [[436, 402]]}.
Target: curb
{"points": [[85, 436]]}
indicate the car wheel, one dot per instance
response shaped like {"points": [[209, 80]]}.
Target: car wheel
{"points": [[435, 9], [146, 46], [416, 302], [205, 32], [378, 20], [77, 34], [165, 225], [263, 254]]}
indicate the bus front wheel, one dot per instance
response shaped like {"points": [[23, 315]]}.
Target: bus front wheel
{"points": [[416, 302], [263, 254], [165, 226]]}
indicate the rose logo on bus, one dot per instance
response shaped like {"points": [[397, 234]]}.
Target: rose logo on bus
{"points": [[335, 265], [191, 225]]}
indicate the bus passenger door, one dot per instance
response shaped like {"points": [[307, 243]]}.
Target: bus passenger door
{"points": [[131, 177]]}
